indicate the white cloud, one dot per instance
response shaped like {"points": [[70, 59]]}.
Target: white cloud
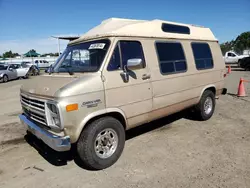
{"points": [[43, 45]]}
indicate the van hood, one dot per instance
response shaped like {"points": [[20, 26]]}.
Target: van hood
{"points": [[55, 86], [45, 86]]}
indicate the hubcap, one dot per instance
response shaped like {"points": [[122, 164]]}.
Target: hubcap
{"points": [[5, 79], [106, 143], [208, 105]]}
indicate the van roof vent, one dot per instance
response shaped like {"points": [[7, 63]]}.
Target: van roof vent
{"points": [[172, 28]]}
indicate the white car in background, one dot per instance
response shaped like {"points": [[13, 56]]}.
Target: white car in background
{"points": [[22, 70], [42, 63], [232, 57]]}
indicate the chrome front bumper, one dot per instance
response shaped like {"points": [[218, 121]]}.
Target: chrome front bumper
{"points": [[57, 143]]}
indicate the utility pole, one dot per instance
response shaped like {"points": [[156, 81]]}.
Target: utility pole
{"points": [[58, 46]]}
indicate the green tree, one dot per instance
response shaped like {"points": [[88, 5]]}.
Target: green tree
{"points": [[51, 54], [227, 46], [9, 54], [241, 43]]}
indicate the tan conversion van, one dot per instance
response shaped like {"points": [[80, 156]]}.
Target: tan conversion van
{"points": [[121, 74]]}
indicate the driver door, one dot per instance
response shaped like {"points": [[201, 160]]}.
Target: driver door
{"points": [[12, 73], [232, 58], [133, 96]]}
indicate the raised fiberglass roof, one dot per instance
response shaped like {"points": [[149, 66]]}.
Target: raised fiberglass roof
{"points": [[144, 28]]}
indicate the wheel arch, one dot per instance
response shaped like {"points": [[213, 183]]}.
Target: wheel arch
{"points": [[6, 76], [113, 112], [210, 87]]}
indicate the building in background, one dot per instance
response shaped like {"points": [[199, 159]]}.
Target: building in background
{"points": [[246, 52], [50, 59]]}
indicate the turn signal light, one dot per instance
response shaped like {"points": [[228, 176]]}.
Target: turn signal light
{"points": [[71, 107]]}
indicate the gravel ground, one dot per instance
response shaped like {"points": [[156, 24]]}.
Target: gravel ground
{"points": [[172, 152]]}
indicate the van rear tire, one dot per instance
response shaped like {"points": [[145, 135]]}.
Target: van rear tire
{"points": [[101, 143], [205, 108]]}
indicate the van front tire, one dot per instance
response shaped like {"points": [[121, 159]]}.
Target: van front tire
{"points": [[101, 143], [205, 108]]}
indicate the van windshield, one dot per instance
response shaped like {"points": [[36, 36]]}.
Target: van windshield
{"points": [[84, 57]]}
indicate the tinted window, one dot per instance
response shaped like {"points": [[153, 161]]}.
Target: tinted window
{"points": [[115, 60], [16, 66], [12, 66], [231, 55], [171, 28], [129, 50], [202, 55], [171, 58], [3, 67]]}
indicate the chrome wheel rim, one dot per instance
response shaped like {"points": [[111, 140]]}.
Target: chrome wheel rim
{"points": [[106, 143], [208, 105], [5, 79]]}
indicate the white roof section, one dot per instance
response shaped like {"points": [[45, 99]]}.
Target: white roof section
{"points": [[144, 28]]}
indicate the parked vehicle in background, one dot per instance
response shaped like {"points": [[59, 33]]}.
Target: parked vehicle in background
{"points": [[232, 57], [245, 63], [42, 63], [7, 72], [22, 70], [114, 78], [246, 52], [26, 63]]}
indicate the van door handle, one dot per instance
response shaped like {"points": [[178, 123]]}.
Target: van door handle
{"points": [[146, 76]]}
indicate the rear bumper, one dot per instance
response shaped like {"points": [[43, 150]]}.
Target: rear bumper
{"points": [[56, 142]]}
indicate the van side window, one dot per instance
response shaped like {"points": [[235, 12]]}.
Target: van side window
{"points": [[171, 57], [115, 60], [202, 55], [129, 50]]}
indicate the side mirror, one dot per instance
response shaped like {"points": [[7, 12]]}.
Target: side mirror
{"points": [[135, 63], [10, 69], [132, 64]]}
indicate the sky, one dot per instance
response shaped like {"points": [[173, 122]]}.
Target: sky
{"points": [[29, 24]]}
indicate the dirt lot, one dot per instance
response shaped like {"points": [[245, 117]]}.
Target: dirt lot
{"points": [[172, 152]]}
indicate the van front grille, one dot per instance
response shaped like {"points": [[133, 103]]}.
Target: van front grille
{"points": [[34, 109], [33, 103]]}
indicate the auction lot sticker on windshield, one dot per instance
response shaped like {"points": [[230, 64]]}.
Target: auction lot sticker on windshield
{"points": [[96, 46]]}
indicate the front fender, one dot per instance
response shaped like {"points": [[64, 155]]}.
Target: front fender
{"points": [[87, 118]]}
